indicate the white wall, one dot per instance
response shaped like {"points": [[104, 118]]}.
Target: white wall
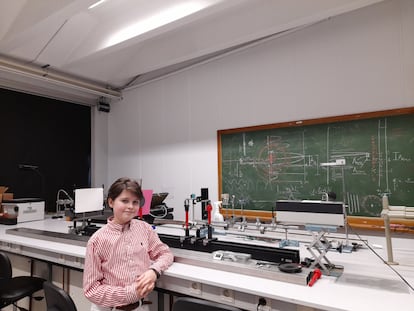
{"points": [[165, 131]]}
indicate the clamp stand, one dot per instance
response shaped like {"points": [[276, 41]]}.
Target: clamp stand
{"points": [[286, 241], [320, 246]]}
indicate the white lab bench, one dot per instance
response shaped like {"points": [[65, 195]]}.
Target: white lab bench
{"points": [[366, 283]]}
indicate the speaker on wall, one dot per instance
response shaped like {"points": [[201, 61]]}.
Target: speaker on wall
{"points": [[104, 105]]}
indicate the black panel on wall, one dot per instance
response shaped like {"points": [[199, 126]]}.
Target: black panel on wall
{"points": [[53, 135]]}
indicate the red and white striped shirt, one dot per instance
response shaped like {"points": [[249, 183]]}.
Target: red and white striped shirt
{"points": [[116, 255]]}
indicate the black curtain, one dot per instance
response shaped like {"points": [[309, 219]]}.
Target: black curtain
{"points": [[45, 146]]}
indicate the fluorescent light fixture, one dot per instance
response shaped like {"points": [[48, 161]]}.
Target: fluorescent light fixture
{"points": [[96, 4], [34, 72], [162, 18]]}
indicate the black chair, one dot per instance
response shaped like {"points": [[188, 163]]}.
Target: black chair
{"points": [[194, 304], [57, 299], [12, 289]]}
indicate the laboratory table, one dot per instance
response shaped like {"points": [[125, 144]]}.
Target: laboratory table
{"points": [[367, 283]]}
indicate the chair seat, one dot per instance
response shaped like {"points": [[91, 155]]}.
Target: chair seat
{"points": [[14, 289]]}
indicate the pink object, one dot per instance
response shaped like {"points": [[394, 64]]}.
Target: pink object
{"points": [[147, 205]]}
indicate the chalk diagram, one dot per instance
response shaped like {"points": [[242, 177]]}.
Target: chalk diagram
{"points": [[264, 167]]}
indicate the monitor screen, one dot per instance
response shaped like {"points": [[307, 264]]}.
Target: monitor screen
{"points": [[89, 200], [158, 199]]}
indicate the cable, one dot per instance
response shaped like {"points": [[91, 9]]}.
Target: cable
{"points": [[49, 41], [162, 216], [382, 259]]}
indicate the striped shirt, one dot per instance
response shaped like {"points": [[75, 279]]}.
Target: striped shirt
{"points": [[116, 255]]}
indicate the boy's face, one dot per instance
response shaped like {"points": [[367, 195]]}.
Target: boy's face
{"points": [[125, 207]]}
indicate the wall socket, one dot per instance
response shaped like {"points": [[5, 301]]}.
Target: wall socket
{"points": [[263, 304], [227, 295], [195, 288]]}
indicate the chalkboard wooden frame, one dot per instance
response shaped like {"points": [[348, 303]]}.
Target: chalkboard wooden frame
{"points": [[358, 221]]}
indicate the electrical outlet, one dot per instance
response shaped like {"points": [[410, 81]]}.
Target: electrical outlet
{"points": [[227, 295], [195, 288], [263, 304]]}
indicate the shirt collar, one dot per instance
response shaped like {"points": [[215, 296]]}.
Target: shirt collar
{"points": [[117, 227]]}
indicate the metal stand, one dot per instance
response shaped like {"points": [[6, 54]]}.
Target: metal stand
{"points": [[225, 204], [286, 241], [386, 217], [341, 162], [390, 258], [320, 246]]}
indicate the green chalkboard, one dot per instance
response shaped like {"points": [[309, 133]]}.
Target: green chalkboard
{"points": [[305, 159]]}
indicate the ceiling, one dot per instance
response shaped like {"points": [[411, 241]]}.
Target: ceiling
{"points": [[66, 50]]}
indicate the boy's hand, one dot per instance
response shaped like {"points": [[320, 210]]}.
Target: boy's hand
{"points": [[146, 283]]}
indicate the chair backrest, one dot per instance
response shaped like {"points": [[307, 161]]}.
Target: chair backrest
{"points": [[6, 268], [57, 299], [194, 304]]}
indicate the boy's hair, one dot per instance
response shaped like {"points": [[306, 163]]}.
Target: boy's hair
{"points": [[126, 183]]}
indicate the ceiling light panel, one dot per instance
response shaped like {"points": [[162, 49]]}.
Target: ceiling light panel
{"points": [[96, 4], [164, 16], [124, 22]]}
